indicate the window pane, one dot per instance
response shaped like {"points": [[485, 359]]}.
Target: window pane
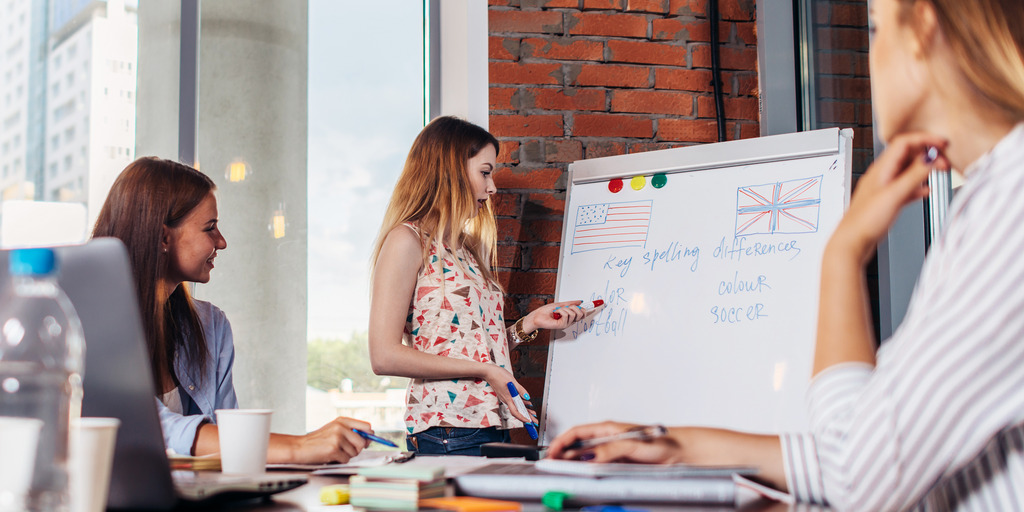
{"points": [[365, 108]]}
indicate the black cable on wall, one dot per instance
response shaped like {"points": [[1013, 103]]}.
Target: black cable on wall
{"points": [[716, 69]]}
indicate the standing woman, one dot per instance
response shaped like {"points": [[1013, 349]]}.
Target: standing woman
{"points": [[934, 419], [434, 287], [166, 215]]}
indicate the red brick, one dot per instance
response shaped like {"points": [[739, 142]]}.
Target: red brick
{"points": [[864, 115], [735, 108], [563, 150], [526, 126], [736, 10], [844, 88], [834, 112], [643, 147], [546, 203], [522, 73], [500, 98], [680, 30], [612, 125], [842, 38], [600, 148], [683, 79], [502, 48], [551, 4], [750, 130], [861, 65], [834, 63], [746, 33], [532, 283], [603, 4], [615, 25], [544, 256], [659, 6], [499, 3], [688, 7], [647, 53], [509, 152], [539, 179], [543, 230], [687, 130], [863, 137], [653, 102], [509, 256], [731, 58], [545, 22], [746, 83], [563, 48], [608, 75], [505, 203], [850, 15], [563, 99]]}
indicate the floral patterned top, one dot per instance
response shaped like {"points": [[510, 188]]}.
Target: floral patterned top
{"points": [[456, 313]]}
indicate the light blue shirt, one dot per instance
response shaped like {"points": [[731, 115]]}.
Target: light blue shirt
{"points": [[210, 388]]}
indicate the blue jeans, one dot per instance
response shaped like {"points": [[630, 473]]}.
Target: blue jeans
{"points": [[454, 441]]}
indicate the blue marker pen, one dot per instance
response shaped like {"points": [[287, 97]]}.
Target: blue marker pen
{"points": [[530, 429], [372, 437]]}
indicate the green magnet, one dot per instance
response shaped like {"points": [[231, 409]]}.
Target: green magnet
{"points": [[659, 180]]}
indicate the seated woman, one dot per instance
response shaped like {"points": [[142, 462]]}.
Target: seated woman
{"points": [[934, 420], [166, 215]]}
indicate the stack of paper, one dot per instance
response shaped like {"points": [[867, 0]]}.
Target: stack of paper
{"points": [[396, 486]]}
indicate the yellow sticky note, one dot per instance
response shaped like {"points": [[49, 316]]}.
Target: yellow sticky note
{"points": [[334, 494]]}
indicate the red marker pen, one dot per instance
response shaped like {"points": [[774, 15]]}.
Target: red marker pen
{"points": [[591, 305]]}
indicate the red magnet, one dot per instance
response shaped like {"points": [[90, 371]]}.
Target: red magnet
{"points": [[615, 185]]}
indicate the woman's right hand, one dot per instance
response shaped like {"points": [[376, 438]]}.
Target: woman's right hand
{"points": [[333, 442], [656, 451], [499, 378]]}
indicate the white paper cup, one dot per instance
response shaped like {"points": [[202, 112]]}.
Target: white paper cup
{"points": [[244, 436], [92, 455], [19, 441]]}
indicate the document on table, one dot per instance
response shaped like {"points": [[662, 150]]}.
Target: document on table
{"points": [[592, 469], [454, 465], [367, 458]]}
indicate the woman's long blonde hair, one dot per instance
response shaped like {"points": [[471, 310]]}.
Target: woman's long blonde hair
{"points": [[434, 193], [987, 38]]}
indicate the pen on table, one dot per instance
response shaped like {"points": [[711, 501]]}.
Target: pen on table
{"points": [[586, 306], [518, 400], [372, 437], [641, 434]]}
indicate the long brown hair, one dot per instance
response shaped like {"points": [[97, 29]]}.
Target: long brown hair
{"points": [[149, 194], [987, 39], [434, 192]]}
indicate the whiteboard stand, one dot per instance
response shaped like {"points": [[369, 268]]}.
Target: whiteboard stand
{"points": [[708, 258]]}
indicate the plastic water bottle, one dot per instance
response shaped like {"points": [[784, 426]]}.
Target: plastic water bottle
{"points": [[41, 359]]}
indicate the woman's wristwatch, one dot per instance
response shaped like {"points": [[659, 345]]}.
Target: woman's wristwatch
{"points": [[519, 335]]}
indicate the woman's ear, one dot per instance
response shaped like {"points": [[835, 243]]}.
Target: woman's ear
{"points": [[166, 235], [925, 26]]}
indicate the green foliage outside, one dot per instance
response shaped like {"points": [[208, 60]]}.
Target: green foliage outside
{"points": [[330, 361]]}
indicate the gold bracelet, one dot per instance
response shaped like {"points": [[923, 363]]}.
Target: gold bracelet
{"points": [[517, 329]]}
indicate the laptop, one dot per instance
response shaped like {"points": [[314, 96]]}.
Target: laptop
{"points": [[118, 383]]}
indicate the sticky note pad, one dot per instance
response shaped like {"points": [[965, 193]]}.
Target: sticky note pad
{"points": [[471, 504]]}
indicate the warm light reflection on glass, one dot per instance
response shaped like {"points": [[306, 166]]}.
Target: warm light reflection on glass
{"points": [[277, 225], [237, 171], [780, 375]]}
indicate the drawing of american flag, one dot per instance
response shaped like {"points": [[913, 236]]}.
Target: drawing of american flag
{"points": [[784, 207], [611, 226]]}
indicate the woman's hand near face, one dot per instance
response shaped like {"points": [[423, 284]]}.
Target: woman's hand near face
{"points": [[898, 177], [333, 442]]}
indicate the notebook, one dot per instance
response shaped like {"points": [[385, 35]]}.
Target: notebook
{"points": [[117, 383]]}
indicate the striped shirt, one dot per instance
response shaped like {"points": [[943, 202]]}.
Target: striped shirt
{"points": [[938, 423]]}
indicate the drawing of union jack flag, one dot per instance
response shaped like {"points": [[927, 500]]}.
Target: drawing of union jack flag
{"points": [[784, 207], [611, 226]]}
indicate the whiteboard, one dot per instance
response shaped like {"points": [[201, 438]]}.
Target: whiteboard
{"points": [[708, 258]]}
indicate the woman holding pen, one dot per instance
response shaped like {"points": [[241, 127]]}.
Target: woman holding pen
{"points": [[935, 418], [434, 288]]}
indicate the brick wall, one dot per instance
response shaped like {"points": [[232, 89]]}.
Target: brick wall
{"points": [[573, 79]]}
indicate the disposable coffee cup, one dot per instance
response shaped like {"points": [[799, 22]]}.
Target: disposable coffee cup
{"points": [[244, 436], [92, 455], [19, 441]]}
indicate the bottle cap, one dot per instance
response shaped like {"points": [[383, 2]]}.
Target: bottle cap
{"points": [[34, 261]]}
